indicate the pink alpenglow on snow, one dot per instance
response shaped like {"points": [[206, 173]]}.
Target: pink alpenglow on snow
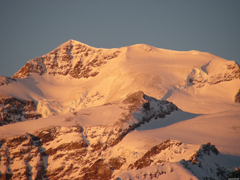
{"points": [[136, 112]]}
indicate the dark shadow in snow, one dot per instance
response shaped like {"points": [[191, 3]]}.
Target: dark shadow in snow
{"points": [[222, 166], [167, 95], [204, 67], [174, 117], [232, 159]]}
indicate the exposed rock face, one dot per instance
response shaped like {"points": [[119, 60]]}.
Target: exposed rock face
{"points": [[197, 164], [32, 153], [116, 162], [150, 107], [21, 158], [15, 110], [237, 97], [77, 152], [95, 152], [73, 58], [104, 147], [148, 157], [204, 149], [50, 154], [6, 80], [199, 78], [99, 170]]}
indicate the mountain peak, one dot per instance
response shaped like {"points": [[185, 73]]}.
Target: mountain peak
{"points": [[71, 42], [70, 58]]}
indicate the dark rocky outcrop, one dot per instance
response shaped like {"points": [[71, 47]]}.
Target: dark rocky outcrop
{"points": [[229, 73], [21, 149], [72, 157], [84, 152], [204, 149], [73, 58], [146, 160], [16, 110], [237, 97], [196, 163], [4, 80], [99, 170], [116, 162]]}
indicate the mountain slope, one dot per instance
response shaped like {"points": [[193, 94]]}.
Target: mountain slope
{"points": [[95, 145], [114, 73], [135, 112], [72, 57]]}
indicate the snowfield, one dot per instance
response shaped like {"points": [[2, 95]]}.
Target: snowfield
{"points": [[136, 112]]}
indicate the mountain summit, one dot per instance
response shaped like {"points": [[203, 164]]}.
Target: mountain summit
{"points": [[135, 112], [107, 75], [72, 57]]}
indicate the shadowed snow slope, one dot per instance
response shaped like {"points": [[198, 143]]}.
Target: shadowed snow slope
{"points": [[135, 112]]}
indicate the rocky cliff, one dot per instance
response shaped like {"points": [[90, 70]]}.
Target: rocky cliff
{"points": [[73, 58], [14, 110], [228, 72], [95, 152], [91, 119], [6, 80]]}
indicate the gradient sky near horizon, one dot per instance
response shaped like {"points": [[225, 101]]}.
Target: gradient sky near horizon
{"points": [[30, 29]]}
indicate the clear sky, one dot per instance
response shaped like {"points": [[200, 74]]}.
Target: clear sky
{"points": [[30, 29]]}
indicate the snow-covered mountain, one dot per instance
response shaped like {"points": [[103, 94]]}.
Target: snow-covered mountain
{"points": [[135, 112], [73, 58]]}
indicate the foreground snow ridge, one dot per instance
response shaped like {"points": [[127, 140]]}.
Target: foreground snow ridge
{"points": [[136, 112]]}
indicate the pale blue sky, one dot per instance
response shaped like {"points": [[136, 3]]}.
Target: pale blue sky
{"points": [[30, 29]]}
